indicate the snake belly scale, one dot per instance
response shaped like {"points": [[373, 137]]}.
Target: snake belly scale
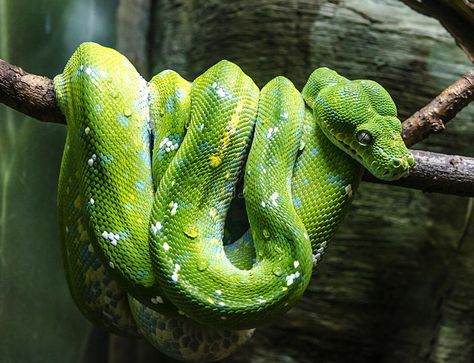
{"points": [[148, 174]]}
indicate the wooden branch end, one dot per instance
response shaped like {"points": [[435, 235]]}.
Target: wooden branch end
{"points": [[433, 117], [29, 94], [437, 173]]}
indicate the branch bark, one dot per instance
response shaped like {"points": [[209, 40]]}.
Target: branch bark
{"points": [[29, 94], [433, 117], [438, 173], [449, 174]]}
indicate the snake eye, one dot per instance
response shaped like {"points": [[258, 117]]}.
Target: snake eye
{"points": [[364, 137]]}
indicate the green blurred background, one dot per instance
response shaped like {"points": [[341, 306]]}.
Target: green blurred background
{"points": [[38, 321]]}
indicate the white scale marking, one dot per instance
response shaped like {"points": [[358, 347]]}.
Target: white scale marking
{"points": [[219, 90], [112, 237], [168, 145], [156, 227], [271, 131], [157, 300], [348, 190], [173, 209], [213, 212], [163, 142], [273, 199], [93, 158], [174, 276], [290, 278]]}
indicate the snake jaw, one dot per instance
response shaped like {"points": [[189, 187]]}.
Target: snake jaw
{"points": [[386, 162], [388, 166], [391, 162], [394, 168]]}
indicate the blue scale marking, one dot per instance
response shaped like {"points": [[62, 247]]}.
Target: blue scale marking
{"points": [[124, 235], [145, 157], [105, 159], [335, 180], [98, 108], [170, 105], [123, 119], [142, 274], [180, 93], [140, 185], [297, 202]]}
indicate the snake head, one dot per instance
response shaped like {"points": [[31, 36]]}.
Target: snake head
{"points": [[360, 118]]}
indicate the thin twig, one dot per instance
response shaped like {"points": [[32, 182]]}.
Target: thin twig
{"points": [[433, 117]]}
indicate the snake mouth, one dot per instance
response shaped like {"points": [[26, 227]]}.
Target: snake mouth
{"points": [[390, 174], [351, 149], [389, 168], [394, 167]]}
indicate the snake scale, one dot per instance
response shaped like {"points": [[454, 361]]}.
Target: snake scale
{"points": [[150, 168]]}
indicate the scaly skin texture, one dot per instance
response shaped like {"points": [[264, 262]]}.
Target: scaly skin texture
{"points": [[148, 173]]}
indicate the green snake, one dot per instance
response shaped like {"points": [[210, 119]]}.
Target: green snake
{"points": [[150, 168]]}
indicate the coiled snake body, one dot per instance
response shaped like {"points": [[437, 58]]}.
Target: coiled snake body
{"points": [[148, 173]]}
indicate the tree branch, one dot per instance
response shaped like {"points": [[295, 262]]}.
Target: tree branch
{"points": [[34, 96], [433, 117], [438, 173], [29, 94]]}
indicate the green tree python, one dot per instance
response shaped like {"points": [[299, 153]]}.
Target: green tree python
{"points": [[148, 173]]}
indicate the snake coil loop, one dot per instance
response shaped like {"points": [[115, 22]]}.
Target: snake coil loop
{"points": [[148, 174]]}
